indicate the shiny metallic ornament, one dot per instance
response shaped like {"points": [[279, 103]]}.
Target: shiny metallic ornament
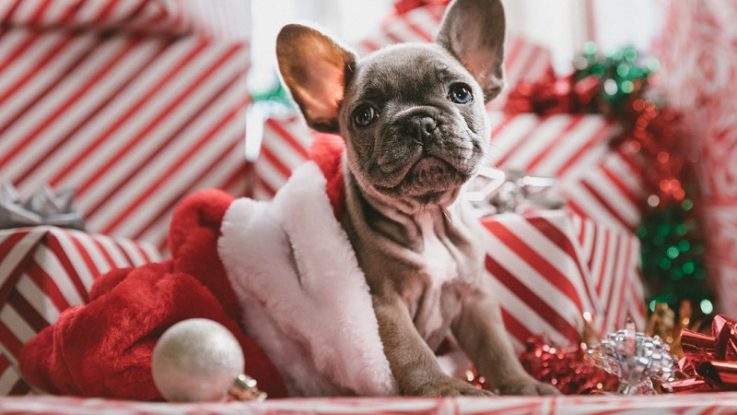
{"points": [[636, 359], [196, 360], [43, 207], [494, 191], [245, 388]]}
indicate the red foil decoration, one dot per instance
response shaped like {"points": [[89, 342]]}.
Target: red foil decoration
{"points": [[555, 96], [710, 362], [568, 368], [658, 135], [651, 132]]}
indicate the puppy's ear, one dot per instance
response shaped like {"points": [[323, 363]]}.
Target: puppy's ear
{"points": [[316, 70], [473, 32]]}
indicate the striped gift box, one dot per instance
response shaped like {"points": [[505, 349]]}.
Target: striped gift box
{"points": [[549, 268], [524, 60], [599, 182], [139, 15], [133, 122], [286, 140], [701, 404], [45, 270]]}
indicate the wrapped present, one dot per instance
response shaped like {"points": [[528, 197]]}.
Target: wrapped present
{"points": [[284, 147], [551, 268], [45, 270], [598, 182], [131, 118], [722, 403], [148, 16], [698, 78], [524, 60]]}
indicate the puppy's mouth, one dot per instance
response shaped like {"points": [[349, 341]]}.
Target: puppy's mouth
{"points": [[427, 180]]}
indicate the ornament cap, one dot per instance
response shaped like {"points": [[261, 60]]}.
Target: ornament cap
{"points": [[245, 388]]}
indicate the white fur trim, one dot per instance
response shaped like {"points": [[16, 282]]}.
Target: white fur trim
{"points": [[304, 298]]}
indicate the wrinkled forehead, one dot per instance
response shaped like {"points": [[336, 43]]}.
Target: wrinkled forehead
{"points": [[404, 71]]}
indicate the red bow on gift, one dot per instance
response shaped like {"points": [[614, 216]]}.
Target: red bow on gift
{"points": [[554, 96], [709, 362]]}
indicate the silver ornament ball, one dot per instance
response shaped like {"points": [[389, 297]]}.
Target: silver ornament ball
{"points": [[196, 360]]}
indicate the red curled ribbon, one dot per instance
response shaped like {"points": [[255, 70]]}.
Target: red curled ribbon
{"points": [[554, 96], [710, 362]]}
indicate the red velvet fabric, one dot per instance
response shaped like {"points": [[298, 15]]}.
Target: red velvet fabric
{"points": [[104, 348], [327, 152]]}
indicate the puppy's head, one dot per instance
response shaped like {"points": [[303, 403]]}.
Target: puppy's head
{"points": [[412, 115]]}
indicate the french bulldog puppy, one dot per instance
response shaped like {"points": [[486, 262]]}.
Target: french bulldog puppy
{"points": [[415, 128]]}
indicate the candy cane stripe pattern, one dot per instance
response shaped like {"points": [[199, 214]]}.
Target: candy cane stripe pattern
{"points": [[598, 182], [132, 121], [45, 270], [552, 267], [721, 403], [283, 148]]}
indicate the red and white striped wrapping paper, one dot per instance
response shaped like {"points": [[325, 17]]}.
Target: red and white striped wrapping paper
{"points": [[45, 270], [599, 182], [132, 122], [523, 61], [701, 404], [699, 78], [284, 147], [548, 268], [133, 15]]}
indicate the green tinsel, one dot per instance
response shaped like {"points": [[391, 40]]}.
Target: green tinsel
{"points": [[672, 257], [623, 73], [277, 94]]}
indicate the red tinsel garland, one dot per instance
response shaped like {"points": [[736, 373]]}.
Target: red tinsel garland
{"points": [[650, 130], [568, 368]]}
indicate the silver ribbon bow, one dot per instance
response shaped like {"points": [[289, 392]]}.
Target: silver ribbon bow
{"points": [[635, 359], [43, 207], [495, 191]]}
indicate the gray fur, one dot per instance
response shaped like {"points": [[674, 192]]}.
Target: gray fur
{"points": [[415, 239]]}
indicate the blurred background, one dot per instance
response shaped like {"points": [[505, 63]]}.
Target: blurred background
{"points": [[563, 26]]}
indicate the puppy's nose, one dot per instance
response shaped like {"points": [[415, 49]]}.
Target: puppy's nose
{"points": [[421, 128]]}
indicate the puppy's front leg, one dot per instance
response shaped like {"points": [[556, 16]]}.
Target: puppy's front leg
{"points": [[412, 362], [480, 332]]}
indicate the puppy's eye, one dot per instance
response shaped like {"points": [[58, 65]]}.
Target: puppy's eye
{"points": [[364, 115], [460, 93]]}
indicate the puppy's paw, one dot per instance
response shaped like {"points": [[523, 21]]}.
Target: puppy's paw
{"points": [[527, 386], [450, 387]]}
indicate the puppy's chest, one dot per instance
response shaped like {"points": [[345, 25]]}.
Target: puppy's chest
{"points": [[434, 291], [440, 261]]}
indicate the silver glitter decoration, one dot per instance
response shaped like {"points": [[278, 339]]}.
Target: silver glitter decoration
{"points": [[636, 359], [495, 191], [43, 207]]}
